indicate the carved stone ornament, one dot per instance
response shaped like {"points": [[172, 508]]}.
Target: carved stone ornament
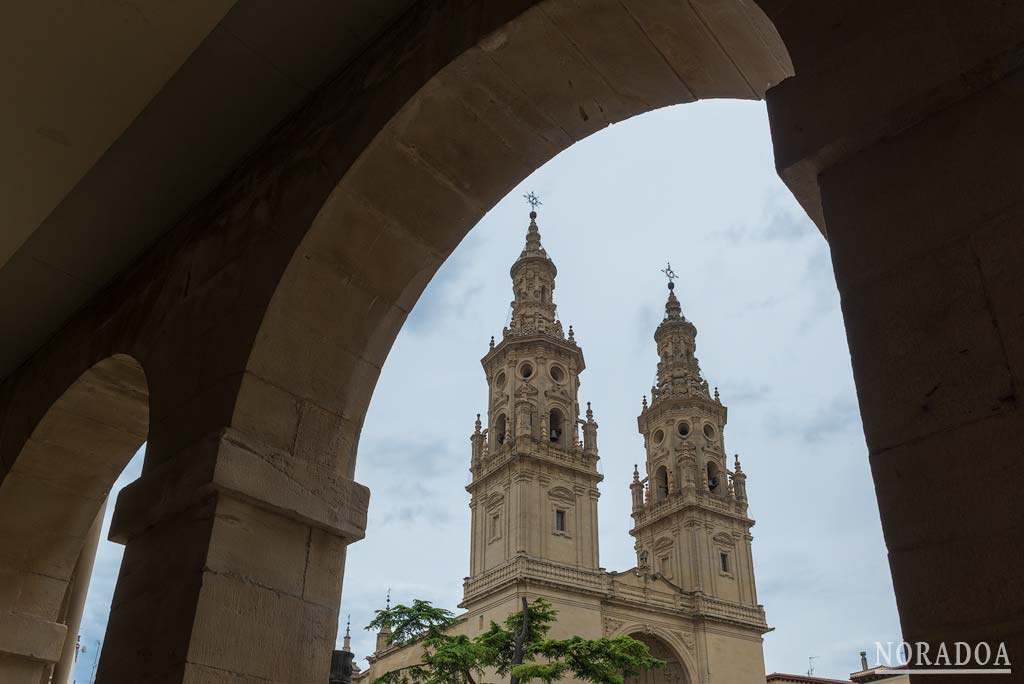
{"points": [[611, 626], [686, 638]]}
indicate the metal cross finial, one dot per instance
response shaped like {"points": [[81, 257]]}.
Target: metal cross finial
{"points": [[669, 273], [532, 199]]}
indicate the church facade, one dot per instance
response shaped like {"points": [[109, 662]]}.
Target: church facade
{"points": [[534, 497]]}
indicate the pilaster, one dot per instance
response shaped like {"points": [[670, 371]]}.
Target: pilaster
{"points": [[220, 531]]}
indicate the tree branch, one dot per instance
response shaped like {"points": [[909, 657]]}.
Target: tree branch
{"points": [[519, 652]]}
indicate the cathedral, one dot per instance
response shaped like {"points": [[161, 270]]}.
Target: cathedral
{"points": [[534, 493]]}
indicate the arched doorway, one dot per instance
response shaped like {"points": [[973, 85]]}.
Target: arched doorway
{"points": [[673, 673]]}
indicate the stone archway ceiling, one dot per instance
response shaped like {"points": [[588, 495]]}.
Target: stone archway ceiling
{"points": [[107, 158], [99, 159]]}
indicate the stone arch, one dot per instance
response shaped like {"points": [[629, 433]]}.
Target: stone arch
{"points": [[715, 478], [673, 672], [724, 539], [452, 148], [558, 427], [500, 429], [661, 483], [672, 641], [277, 300], [53, 490], [562, 495]]}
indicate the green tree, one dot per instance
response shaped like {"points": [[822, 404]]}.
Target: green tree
{"points": [[518, 649]]}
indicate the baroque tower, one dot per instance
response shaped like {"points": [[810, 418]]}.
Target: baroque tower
{"points": [[534, 481], [690, 511], [533, 503]]}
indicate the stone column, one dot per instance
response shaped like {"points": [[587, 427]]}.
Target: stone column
{"points": [[232, 568], [29, 647], [925, 230], [79, 590]]}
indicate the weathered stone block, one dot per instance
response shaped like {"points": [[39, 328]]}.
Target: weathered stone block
{"points": [[325, 569], [245, 629], [257, 546], [925, 352], [1000, 253], [929, 493], [959, 586], [30, 637]]}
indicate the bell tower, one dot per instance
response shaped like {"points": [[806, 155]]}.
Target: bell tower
{"points": [[689, 509], [533, 479]]}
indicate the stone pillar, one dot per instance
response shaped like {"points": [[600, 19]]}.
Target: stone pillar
{"points": [[232, 568], [29, 647], [341, 667], [925, 230], [78, 591]]}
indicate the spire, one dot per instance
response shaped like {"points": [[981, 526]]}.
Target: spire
{"points": [[739, 483], [636, 490], [384, 635], [533, 283], [678, 371], [673, 310], [533, 246], [347, 643], [590, 433]]}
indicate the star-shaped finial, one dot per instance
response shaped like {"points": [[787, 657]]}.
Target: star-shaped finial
{"points": [[532, 199], [669, 273]]}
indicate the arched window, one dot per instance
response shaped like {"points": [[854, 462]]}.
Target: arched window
{"points": [[500, 426], [660, 483], [714, 483], [556, 427]]}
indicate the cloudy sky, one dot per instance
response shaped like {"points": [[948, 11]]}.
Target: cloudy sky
{"points": [[694, 185]]}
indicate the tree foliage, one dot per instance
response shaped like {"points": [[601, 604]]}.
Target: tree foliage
{"points": [[517, 649]]}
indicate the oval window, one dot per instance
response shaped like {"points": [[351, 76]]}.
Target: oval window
{"points": [[683, 429], [659, 436], [499, 381], [557, 374], [709, 431], [526, 370]]}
